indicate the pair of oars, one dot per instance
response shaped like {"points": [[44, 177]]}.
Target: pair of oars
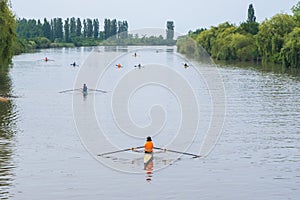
{"points": [[163, 149], [70, 90]]}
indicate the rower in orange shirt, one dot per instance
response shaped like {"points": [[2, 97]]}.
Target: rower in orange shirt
{"points": [[148, 145]]}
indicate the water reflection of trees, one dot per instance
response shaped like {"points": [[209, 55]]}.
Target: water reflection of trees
{"points": [[7, 132]]}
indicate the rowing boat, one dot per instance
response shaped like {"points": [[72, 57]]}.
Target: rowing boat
{"points": [[148, 158], [85, 93]]}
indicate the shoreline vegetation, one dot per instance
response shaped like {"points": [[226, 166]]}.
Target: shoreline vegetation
{"points": [[274, 41], [74, 32]]}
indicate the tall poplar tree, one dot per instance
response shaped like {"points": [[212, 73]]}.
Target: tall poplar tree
{"points": [[46, 29], [251, 14], [113, 28], [89, 28], [67, 30], [72, 27], [170, 30], [107, 27], [96, 28], [84, 28], [78, 27]]}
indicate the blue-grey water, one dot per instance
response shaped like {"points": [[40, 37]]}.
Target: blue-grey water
{"points": [[42, 156]]}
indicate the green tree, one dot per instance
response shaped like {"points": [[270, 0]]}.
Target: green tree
{"points": [[84, 29], [89, 28], [67, 30], [107, 28], [222, 48], [22, 28], [296, 11], [170, 30], [7, 33], [96, 28], [58, 29], [113, 28], [251, 14], [72, 28], [249, 27], [122, 29], [244, 47], [290, 53], [270, 38], [78, 27], [46, 29], [207, 39]]}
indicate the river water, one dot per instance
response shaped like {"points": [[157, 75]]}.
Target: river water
{"points": [[257, 155]]}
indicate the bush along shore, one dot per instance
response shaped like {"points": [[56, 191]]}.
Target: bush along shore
{"points": [[275, 40]]}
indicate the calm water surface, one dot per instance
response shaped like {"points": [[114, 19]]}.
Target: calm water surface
{"points": [[42, 157]]}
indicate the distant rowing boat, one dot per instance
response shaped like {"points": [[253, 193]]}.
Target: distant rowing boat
{"points": [[84, 92]]}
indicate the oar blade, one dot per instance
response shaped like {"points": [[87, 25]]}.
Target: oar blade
{"points": [[122, 150]]}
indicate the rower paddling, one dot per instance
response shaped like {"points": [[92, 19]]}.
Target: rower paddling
{"points": [[148, 149], [85, 89]]}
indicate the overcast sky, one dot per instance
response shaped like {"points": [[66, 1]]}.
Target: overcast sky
{"points": [[186, 14]]}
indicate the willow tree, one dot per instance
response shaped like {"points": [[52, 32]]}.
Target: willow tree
{"points": [[296, 11], [290, 53], [7, 32], [270, 38]]}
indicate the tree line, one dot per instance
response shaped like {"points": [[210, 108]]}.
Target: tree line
{"points": [[71, 30], [275, 40], [25, 35]]}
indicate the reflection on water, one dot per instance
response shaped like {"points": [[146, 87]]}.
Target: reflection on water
{"points": [[7, 131], [265, 68], [258, 150], [149, 171]]}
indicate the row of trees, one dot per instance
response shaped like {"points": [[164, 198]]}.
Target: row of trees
{"points": [[276, 40], [69, 30], [74, 32], [7, 33]]}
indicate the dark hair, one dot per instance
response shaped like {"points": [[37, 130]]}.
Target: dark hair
{"points": [[149, 138]]}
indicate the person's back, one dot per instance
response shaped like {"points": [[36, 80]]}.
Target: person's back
{"points": [[148, 145], [84, 88]]}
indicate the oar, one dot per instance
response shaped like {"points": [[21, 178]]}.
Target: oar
{"points": [[103, 91], [180, 152], [122, 150], [10, 96], [68, 90]]}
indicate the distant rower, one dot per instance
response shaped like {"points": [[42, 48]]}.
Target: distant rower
{"points": [[74, 64], [119, 66], [84, 88], [186, 65]]}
